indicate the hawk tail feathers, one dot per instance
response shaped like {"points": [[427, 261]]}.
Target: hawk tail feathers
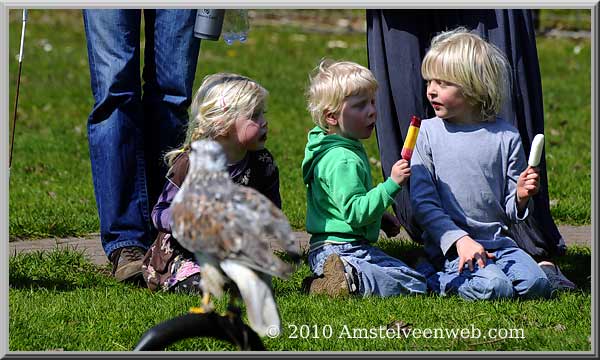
{"points": [[257, 294]]}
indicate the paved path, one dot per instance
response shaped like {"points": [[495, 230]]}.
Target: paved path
{"points": [[574, 235]]}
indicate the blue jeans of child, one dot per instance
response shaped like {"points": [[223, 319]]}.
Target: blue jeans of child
{"points": [[128, 131], [377, 272], [512, 274]]}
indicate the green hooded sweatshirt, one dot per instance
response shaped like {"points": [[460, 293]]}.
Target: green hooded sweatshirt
{"points": [[342, 205]]}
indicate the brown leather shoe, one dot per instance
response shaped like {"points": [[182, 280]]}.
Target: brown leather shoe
{"points": [[333, 282], [127, 263]]}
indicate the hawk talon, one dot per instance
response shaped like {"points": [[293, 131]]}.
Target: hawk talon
{"points": [[207, 306], [204, 309]]}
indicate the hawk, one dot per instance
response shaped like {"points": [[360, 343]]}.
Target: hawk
{"points": [[230, 229]]}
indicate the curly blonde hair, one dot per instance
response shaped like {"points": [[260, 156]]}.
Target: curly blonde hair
{"points": [[481, 69], [221, 99], [331, 82]]}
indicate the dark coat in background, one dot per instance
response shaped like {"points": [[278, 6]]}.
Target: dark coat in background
{"points": [[397, 42]]}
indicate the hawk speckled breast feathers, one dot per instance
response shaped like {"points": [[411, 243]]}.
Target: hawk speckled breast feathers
{"points": [[230, 229]]}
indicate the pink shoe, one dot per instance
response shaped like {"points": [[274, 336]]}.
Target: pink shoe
{"points": [[556, 277]]}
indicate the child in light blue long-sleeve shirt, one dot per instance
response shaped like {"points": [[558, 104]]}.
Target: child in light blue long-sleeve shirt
{"points": [[470, 179]]}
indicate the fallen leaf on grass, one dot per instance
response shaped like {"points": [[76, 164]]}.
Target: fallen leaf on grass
{"points": [[560, 328], [343, 23], [375, 162], [298, 38], [400, 326], [337, 44]]}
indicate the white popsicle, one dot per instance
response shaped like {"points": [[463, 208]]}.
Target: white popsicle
{"points": [[536, 150]]}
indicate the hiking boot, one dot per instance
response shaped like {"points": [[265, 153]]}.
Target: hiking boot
{"points": [[557, 280], [127, 263], [333, 282]]}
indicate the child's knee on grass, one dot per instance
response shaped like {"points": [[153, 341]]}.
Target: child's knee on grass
{"points": [[534, 287], [487, 288]]}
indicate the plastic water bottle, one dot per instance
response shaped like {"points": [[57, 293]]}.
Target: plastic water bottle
{"points": [[229, 37], [244, 25], [235, 26]]}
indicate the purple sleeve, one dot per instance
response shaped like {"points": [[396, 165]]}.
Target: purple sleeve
{"points": [[161, 213]]}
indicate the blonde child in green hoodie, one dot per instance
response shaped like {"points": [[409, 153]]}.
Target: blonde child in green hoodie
{"points": [[344, 210]]}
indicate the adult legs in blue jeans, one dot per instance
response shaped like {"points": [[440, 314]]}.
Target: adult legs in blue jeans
{"points": [[512, 273], [127, 130], [377, 272]]}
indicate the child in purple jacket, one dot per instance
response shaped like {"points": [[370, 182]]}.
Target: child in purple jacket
{"points": [[229, 109]]}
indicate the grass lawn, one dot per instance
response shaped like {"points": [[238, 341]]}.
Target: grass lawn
{"points": [[58, 300], [51, 190], [61, 301]]}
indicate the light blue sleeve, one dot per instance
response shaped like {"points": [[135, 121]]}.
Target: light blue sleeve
{"points": [[516, 165], [425, 198]]}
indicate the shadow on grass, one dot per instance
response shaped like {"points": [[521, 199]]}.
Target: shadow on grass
{"points": [[576, 265], [66, 270], [62, 270]]}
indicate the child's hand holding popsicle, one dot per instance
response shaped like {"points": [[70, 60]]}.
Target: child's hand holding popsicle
{"points": [[401, 169], [528, 182], [400, 172]]}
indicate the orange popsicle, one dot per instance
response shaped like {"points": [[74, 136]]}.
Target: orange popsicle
{"points": [[411, 138]]}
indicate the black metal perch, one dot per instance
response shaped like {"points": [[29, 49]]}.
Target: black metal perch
{"points": [[227, 328]]}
